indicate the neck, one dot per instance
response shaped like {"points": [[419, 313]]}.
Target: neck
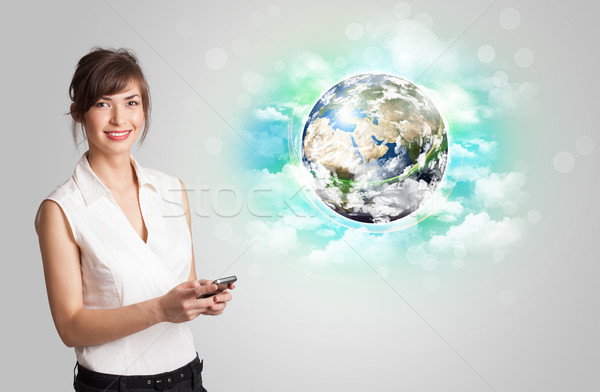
{"points": [[115, 171]]}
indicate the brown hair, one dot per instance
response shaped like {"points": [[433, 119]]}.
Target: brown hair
{"points": [[105, 72]]}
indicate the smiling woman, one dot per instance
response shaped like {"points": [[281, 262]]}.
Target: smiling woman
{"points": [[103, 73], [118, 118], [116, 245]]}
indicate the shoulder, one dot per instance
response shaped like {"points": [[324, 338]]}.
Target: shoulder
{"points": [[65, 190], [53, 211], [51, 218], [49, 211], [67, 195]]}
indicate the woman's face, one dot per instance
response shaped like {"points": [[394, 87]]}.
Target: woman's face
{"points": [[114, 122]]}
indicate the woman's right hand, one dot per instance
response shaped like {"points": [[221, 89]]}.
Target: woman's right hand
{"points": [[181, 303]]}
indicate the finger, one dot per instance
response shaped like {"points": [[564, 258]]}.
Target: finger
{"points": [[204, 282], [213, 313], [203, 304], [231, 286], [217, 307], [198, 291], [223, 297]]}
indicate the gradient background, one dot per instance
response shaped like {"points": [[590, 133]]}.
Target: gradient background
{"points": [[514, 308]]}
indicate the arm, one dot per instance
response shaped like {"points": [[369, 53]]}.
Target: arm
{"points": [[221, 299], [78, 326], [186, 208]]}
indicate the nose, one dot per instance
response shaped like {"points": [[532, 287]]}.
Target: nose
{"points": [[118, 115]]}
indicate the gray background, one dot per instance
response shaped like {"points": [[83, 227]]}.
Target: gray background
{"points": [[282, 332]]}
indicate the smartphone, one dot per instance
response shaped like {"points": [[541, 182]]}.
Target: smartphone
{"points": [[222, 284]]}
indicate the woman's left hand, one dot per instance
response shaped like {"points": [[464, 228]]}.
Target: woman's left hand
{"points": [[220, 300]]}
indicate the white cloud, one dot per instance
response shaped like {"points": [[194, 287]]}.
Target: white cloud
{"points": [[465, 173], [275, 238], [280, 196], [450, 212], [300, 112], [487, 147], [440, 207], [309, 71], [484, 146], [325, 232], [461, 151], [456, 102], [356, 245], [478, 234], [513, 96], [499, 188], [269, 194], [301, 219], [270, 114], [265, 144]]}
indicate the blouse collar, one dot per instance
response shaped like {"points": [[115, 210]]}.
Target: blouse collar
{"points": [[92, 188]]}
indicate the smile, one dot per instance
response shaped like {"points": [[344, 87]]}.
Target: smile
{"points": [[118, 135]]}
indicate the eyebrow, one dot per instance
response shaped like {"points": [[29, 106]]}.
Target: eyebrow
{"points": [[129, 97]]}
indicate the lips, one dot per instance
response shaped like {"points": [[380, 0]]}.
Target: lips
{"points": [[118, 135]]}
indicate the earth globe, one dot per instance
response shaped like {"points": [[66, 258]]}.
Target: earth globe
{"points": [[375, 148]]}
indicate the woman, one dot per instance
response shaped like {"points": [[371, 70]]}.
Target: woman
{"points": [[116, 245]]}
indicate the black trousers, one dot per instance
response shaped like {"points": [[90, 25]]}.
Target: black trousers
{"points": [[187, 378]]}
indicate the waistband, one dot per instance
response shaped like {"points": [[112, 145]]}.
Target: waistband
{"points": [[159, 381]]}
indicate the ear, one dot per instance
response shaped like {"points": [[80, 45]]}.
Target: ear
{"points": [[74, 115]]}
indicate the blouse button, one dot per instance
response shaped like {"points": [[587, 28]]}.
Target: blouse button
{"points": [[181, 375], [149, 382]]}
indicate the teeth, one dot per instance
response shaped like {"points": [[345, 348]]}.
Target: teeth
{"points": [[118, 133]]}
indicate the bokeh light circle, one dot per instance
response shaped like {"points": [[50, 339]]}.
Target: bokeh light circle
{"points": [[213, 145], [486, 53], [340, 62], [534, 216], [524, 57], [253, 83], [510, 18], [564, 162], [216, 59], [500, 78], [423, 22], [354, 31], [279, 65], [402, 10]]}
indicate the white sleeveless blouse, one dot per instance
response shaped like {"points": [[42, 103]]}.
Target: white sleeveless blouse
{"points": [[118, 268]]}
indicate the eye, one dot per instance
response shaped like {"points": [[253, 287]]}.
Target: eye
{"points": [[135, 103], [99, 104]]}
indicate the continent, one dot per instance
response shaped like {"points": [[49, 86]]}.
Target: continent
{"points": [[332, 149], [368, 148]]}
